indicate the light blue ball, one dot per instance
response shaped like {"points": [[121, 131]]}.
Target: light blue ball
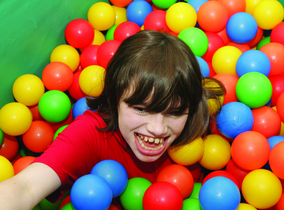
{"points": [[79, 107], [204, 68], [137, 11]]}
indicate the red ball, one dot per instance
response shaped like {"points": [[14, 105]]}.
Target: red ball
{"points": [[39, 136], [238, 172], [179, 176], [35, 112], [277, 83], [79, 33], [223, 34], [75, 90], [124, 30], [156, 20], [9, 148], [121, 3], [89, 56], [221, 173], [213, 16], [57, 76], [214, 43], [280, 106], [275, 53], [250, 150], [276, 159], [259, 35], [229, 81], [277, 34], [162, 196], [235, 6], [22, 163], [241, 47], [106, 51], [266, 121]]}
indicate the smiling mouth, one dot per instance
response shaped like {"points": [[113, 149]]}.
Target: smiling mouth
{"points": [[150, 143]]}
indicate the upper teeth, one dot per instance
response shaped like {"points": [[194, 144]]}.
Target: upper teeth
{"points": [[151, 139]]}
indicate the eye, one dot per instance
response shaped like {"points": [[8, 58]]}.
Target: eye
{"points": [[139, 109]]}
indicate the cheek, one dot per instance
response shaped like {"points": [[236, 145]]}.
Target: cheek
{"points": [[178, 125]]}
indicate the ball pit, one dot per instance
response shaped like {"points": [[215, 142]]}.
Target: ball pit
{"points": [[232, 53]]}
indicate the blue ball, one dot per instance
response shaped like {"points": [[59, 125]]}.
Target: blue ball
{"points": [[196, 4], [79, 107], [204, 68], [219, 193], [137, 11], [113, 173], [234, 118], [273, 140], [253, 61], [241, 27], [91, 192]]}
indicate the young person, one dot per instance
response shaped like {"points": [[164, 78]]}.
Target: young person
{"points": [[154, 97]]}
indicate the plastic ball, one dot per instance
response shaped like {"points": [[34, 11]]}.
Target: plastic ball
{"points": [[229, 81], [91, 80], [110, 32], [212, 16], [156, 20], [137, 11], [217, 152], [242, 47], [275, 53], [261, 189], [235, 6], [99, 38], [219, 193], [1, 137], [254, 89], [79, 107], [38, 137], [91, 192], [57, 76], [234, 119], [273, 140], [10, 147], [245, 206], [114, 173], [277, 83], [253, 61], [191, 204], [121, 3], [196, 40], [6, 169], [66, 54], [214, 104], [225, 59], [132, 197], [120, 14], [223, 174], [79, 33], [189, 153], [214, 43], [241, 27], [276, 33], [75, 90], [204, 68], [179, 176], [223, 34], [27, 89], [279, 106], [88, 56], [263, 42], [106, 51], [250, 5], [259, 35], [15, 118], [162, 196], [280, 203], [268, 14], [67, 206], [54, 106], [180, 16], [101, 15], [250, 150], [164, 4], [22, 163], [196, 4], [266, 121], [124, 30], [275, 160], [59, 130]]}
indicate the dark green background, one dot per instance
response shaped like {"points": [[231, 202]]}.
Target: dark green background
{"points": [[29, 31]]}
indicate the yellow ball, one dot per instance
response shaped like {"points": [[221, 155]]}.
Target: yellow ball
{"points": [[261, 188], [250, 5], [268, 14], [99, 38], [28, 89], [225, 59], [101, 15], [213, 104], [180, 16], [245, 206], [217, 152], [66, 54], [91, 80], [120, 15], [15, 118], [187, 154], [6, 169]]}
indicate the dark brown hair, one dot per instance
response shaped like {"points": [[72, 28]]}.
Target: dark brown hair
{"points": [[162, 68]]}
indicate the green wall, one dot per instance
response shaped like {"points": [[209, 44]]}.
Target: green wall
{"points": [[29, 31]]}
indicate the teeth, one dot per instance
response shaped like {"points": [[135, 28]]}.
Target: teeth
{"points": [[157, 141], [151, 140], [145, 139]]}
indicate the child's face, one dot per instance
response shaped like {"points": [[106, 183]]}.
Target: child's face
{"points": [[148, 134]]}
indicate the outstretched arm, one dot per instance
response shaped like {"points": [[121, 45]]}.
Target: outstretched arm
{"points": [[26, 189]]}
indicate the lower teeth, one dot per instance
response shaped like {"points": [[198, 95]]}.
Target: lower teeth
{"points": [[149, 148]]}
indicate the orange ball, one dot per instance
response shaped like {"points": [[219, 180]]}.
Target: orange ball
{"points": [[22, 163], [276, 159], [280, 106], [10, 147]]}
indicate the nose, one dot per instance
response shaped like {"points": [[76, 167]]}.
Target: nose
{"points": [[157, 125]]}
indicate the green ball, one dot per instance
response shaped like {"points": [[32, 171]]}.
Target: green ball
{"points": [[58, 131], [132, 197], [254, 89], [196, 39], [110, 32], [1, 137], [191, 204], [54, 106], [263, 42], [196, 190], [68, 206], [163, 4]]}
